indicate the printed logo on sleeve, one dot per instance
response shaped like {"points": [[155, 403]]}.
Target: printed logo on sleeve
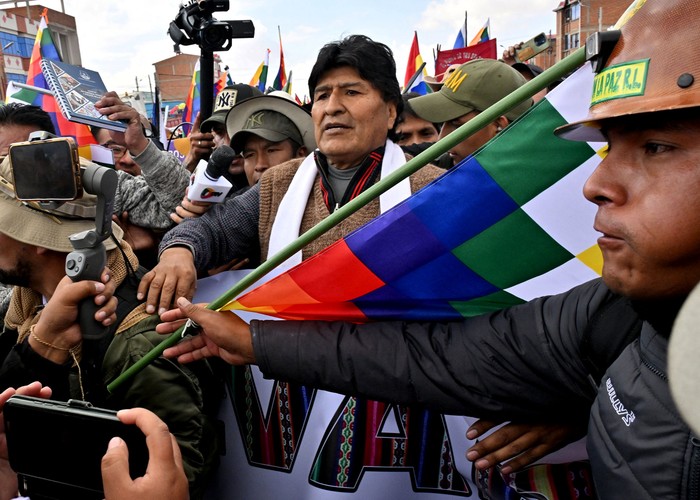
{"points": [[627, 416]]}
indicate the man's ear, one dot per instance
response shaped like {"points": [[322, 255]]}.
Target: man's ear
{"points": [[501, 122], [393, 116], [302, 152]]}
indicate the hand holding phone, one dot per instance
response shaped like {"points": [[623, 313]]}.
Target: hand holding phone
{"points": [[532, 47], [165, 476], [58, 447]]}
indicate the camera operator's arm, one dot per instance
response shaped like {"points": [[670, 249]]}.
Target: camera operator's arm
{"points": [[165, 477], [154, 195], [8, 477], [44, 354]]}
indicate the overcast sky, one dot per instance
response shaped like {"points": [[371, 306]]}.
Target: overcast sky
{"points": [[122, 39]]}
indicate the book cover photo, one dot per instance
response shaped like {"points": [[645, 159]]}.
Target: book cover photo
{"points": [[76, 91]]}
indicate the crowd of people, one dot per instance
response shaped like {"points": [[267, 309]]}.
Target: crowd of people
{"points": [[597, 352]]}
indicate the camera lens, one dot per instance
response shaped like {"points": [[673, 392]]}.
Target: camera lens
{"points": [[215, 35]]}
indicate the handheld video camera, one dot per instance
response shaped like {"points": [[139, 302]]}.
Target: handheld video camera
{"points": [[194, 24], [47, 171]]}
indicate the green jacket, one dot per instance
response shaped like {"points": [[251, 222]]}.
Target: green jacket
{"points": [[184, 396]]}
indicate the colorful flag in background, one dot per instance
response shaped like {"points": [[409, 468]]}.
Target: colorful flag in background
{"points": [[281, 78], [461, 40], [505, 226], [192, 103], [260, 77], [288, 86], [44, 48], [221, 83], [415, 67], [483, 35]]}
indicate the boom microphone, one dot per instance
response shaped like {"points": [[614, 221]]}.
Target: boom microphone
{"points": [[207, 183]]}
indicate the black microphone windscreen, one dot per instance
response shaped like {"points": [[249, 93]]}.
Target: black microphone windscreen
{"points": [[219, 161]]}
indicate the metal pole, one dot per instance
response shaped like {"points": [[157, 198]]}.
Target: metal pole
{"points": [[206, 84], [33, 88]]}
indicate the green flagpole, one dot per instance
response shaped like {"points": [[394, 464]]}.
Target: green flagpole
{"points": [[559, 70]]}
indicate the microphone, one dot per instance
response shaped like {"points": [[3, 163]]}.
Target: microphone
{"points": [[207, 182]]}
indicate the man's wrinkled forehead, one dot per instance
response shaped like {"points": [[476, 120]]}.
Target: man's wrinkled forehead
{"points": [[351, 76], [328, 85]]}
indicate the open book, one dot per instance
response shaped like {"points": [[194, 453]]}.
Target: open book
{"points": [[76, 91]]}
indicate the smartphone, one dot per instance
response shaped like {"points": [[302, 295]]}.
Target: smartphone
{"points": [[46, 170], [532, 47], [57, 446]]}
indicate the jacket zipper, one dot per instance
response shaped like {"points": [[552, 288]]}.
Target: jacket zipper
{"points": [[694, 465], [654, 369], [694, 472]]}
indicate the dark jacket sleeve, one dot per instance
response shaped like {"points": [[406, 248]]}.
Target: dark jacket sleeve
{"points": [[519, 363], [22, 366], [227, 231]]}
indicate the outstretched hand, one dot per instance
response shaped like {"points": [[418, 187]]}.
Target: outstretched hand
{"points": [[174, 276], [223, 334], [518, 445]]}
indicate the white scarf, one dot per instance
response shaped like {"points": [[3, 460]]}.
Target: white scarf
{"points": [[287, 223]]}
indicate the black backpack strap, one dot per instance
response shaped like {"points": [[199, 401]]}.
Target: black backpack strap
{"points": [[613, 327]]}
